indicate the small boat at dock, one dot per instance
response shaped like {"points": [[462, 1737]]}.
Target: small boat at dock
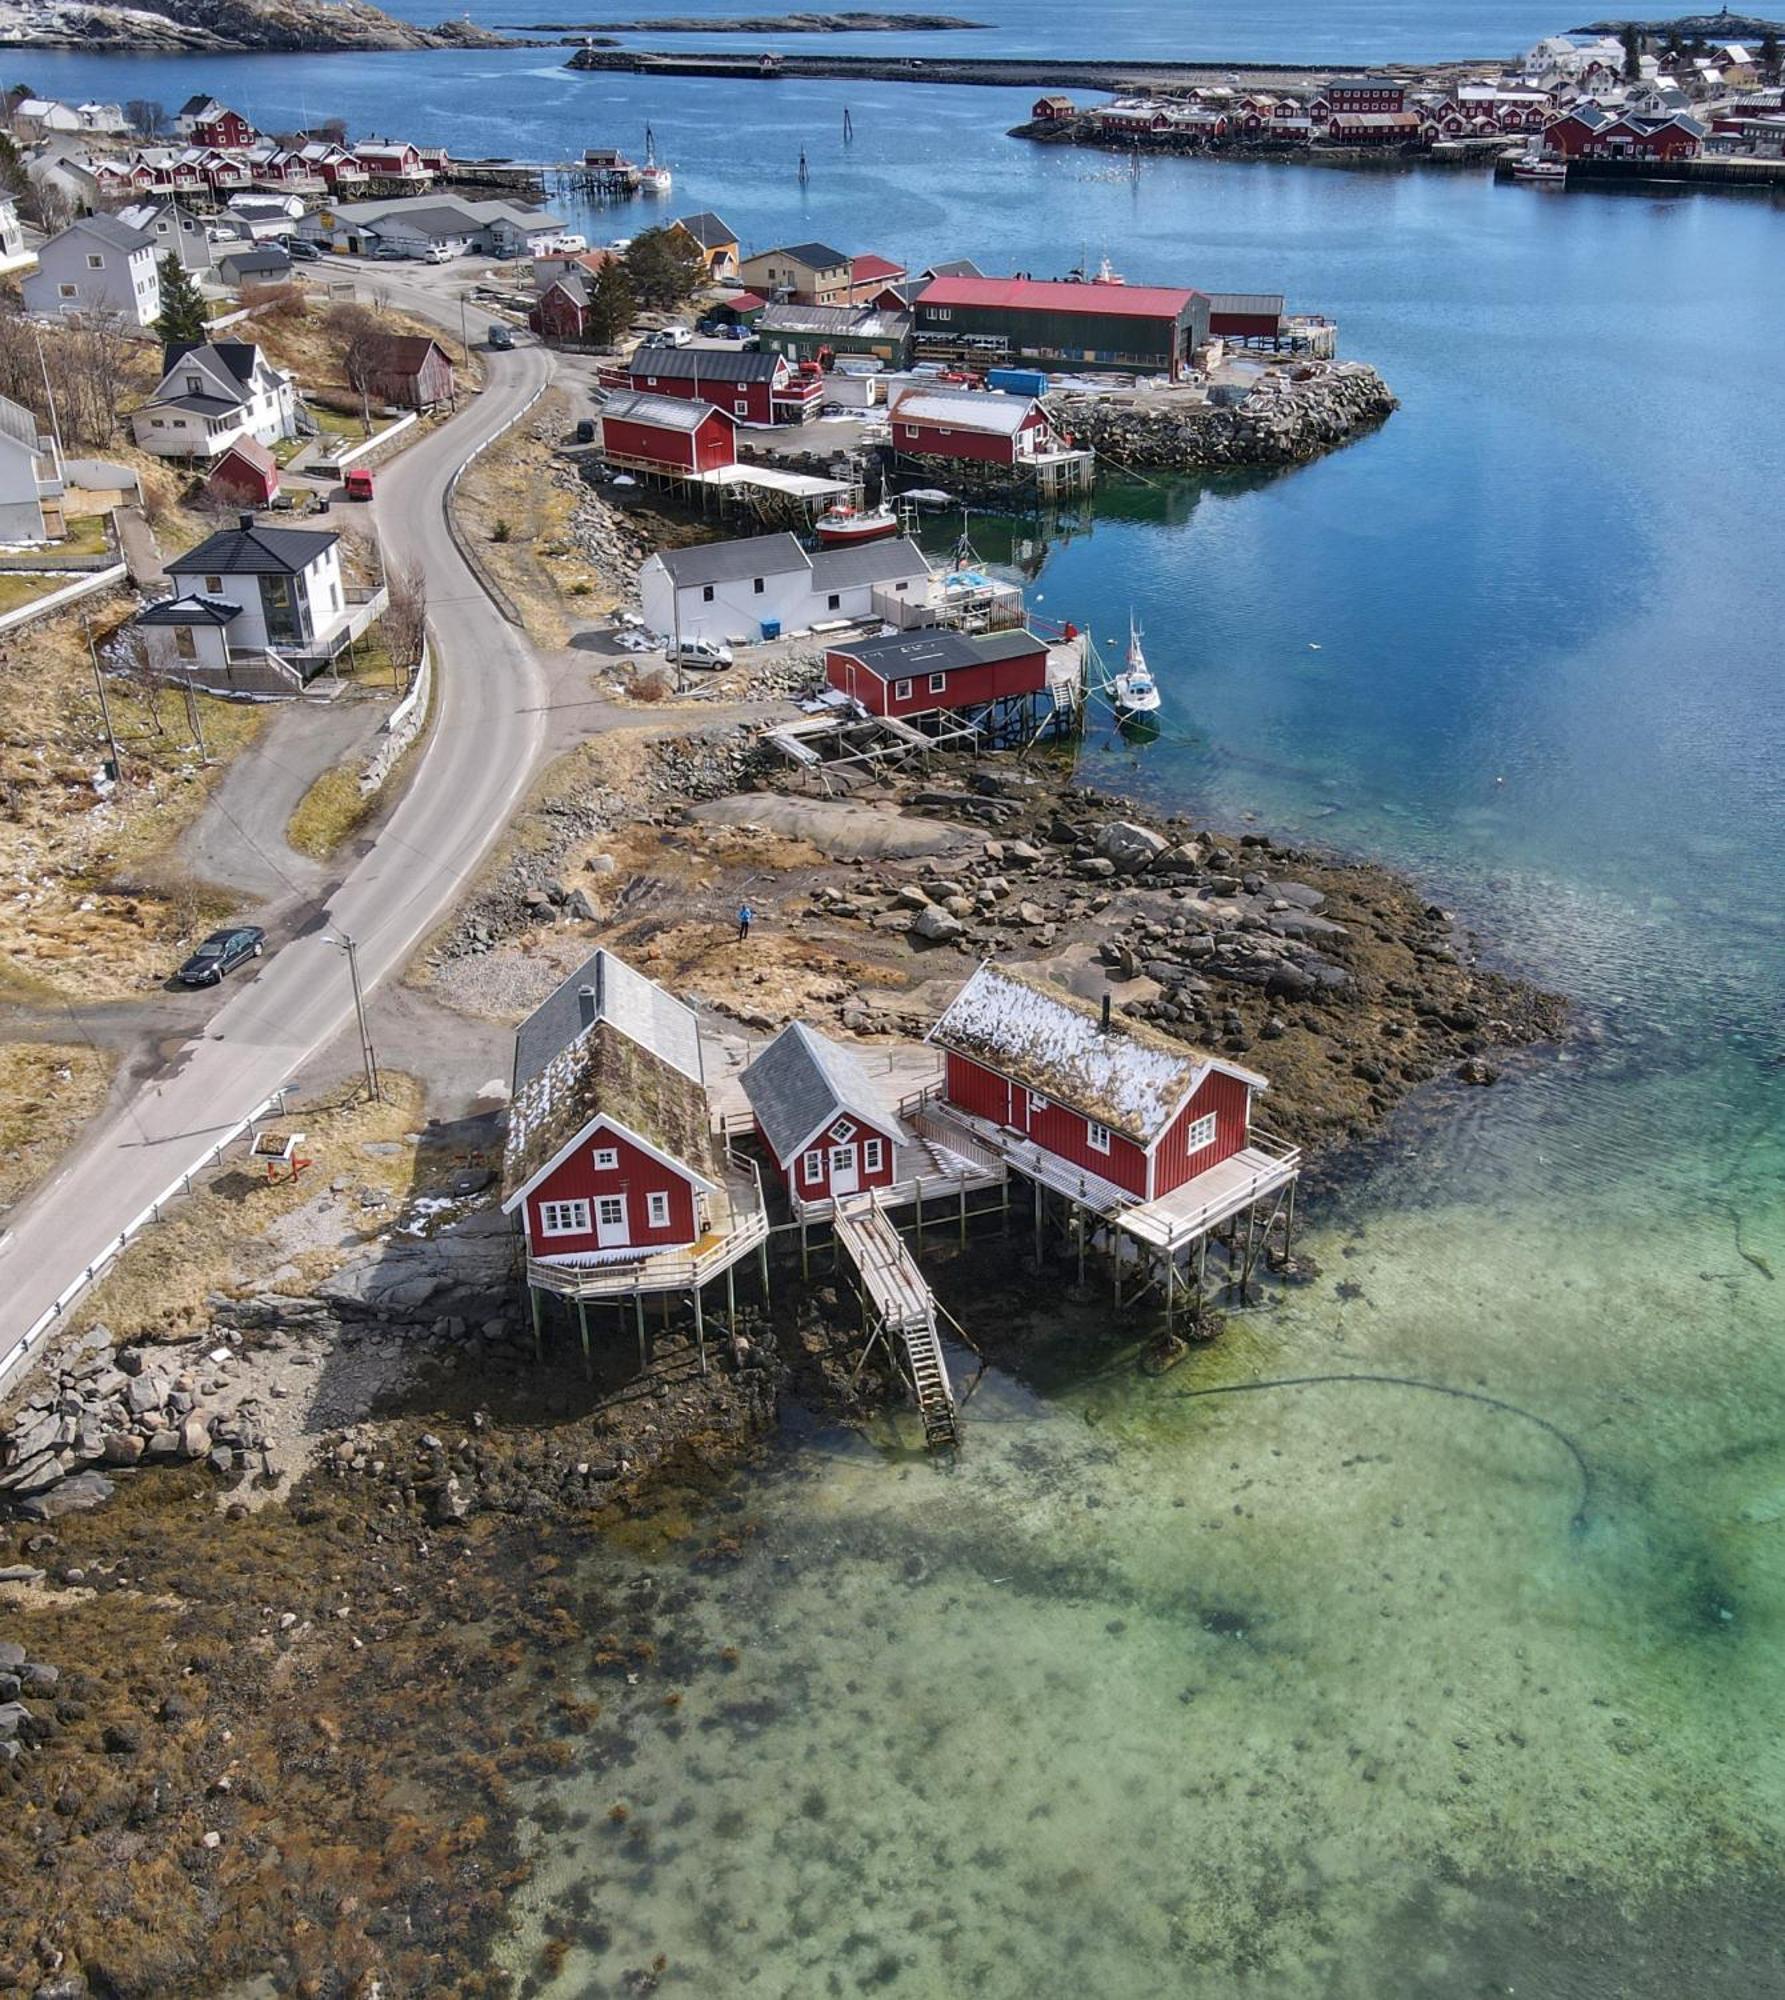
{"points": [[1134, 690], [1534, 167], [848, 522]]}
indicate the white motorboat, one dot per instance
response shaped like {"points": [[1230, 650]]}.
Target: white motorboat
{"points": [[1134, 688], [655, 180], [849, 522], [1534, 167]]}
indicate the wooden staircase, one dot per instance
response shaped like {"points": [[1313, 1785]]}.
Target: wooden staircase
{"points": [[904, 1307]]}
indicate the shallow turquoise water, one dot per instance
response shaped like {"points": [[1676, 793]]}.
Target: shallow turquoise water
{"points": [[1524, 641]]}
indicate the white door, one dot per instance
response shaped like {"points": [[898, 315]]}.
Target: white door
{"points": [[611, 1232], [844, 1178]]}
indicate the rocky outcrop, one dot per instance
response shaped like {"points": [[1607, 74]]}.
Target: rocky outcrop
{"points": [[229, 26], [1289, 416]]}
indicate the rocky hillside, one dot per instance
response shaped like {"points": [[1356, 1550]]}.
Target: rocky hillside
{"points": [[228, 25]]}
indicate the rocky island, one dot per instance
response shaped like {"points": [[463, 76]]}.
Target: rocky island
{"points": [[229, 27]]}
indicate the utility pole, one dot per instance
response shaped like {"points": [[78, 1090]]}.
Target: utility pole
{"points": [[351, 947], [105, 707], [192, 718]]}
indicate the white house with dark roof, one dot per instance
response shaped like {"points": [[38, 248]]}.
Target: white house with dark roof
{"points": [[733, 590], [98, 267], [176, 229], [14, 253], [211, 396], [30, 478], [253, 598], [822, 1118]]}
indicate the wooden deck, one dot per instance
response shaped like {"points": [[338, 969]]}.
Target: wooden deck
{"points": [[1259, 1170], [902, 1307]]}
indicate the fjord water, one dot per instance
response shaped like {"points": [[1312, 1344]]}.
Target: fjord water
{"points": [[1320, 1691]]}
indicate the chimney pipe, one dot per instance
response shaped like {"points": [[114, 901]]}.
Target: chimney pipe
{"points": [[244, 522], [1106, 1013], [585, 1005]]}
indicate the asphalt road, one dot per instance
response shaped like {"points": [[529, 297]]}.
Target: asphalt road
{"points": [[489, 730]]}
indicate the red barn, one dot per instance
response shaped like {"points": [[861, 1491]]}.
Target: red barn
{"points": [[917, 673], [610, 1151], [821, 1117], [968, 423], [561, 312], [756, 387], [224, 128], [1115, 1099], [246, 475], [666, 433], [409, 370], [1053, 107]]}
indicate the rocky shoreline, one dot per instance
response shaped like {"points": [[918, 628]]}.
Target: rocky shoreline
{"points": [[291, 1596], [1289, 416], [230, 27]]}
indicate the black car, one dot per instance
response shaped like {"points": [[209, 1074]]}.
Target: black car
{"points": [[221, 952]]}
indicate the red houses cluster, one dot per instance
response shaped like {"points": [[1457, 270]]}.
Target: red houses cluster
{"points": [[612, 1154]]}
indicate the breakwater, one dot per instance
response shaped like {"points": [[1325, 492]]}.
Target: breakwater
{"points": [[1289, 417], [1085, 73]]}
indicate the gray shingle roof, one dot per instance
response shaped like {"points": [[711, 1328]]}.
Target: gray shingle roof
{"points": [[194, 608], [110, 230], [253, 551], [940, 651], [707, 230], [730, 562], [802, 1082], [815, 256], [673, 413], [868, 562], [637, 1006], [715, 364]]}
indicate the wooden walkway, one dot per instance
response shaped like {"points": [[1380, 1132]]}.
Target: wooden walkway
{"points": [[904, 1310]]}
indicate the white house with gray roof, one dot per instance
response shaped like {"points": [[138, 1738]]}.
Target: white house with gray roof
{"points": [[212, 396], [30, 478], [97, 268], [177, 231], [738, 590], [263, 609], [412, 225]]}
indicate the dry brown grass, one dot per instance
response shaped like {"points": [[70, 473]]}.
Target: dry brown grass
{"points": [[331, 811], [84, 905], [515, 508], [216, 1241], [302, 342], [48, 1091]]}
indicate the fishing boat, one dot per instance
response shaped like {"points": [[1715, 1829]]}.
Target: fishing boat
{"points": [[1534, 167], [849, 522], [1134, 688]]}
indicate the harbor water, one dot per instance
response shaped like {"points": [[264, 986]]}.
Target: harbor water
{"points": [[1347, 1688]]}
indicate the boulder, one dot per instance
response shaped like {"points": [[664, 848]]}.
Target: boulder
{"points": [[78, 1495], [145, 1393], [935, 925], [195, 1435], [1129, 847], [124, 1448], [581, 905]]}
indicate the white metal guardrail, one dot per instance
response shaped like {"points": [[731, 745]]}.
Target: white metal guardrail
{"points": [[52, 1315]]}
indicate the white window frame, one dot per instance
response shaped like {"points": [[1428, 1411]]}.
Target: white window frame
{"points": [[901, 690], [1096, 1136], [843, 1131], [938, 684], [873, 1155], [812, 1166], [607, 1159], [657, 1209], [563, 1218], [1199, 1134]]}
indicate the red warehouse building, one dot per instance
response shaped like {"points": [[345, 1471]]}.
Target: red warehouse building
{"points": [[968, 423], [821, 1117], [666, 433], [221, 127], [756, 387], [1114, 1101], [918, 673], [610, 1151]]}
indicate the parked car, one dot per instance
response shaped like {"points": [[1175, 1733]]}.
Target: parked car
{"points": [[221, 953], [441, 253], [391, 253], [707, 653], [301, 252], [585, 430], [668, 336], [501, 338]]}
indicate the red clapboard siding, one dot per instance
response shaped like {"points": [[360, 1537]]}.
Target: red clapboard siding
{"points": [[1230, 1100], [637, 1176], [1054, 1127], [818, 1187], [967, 687]]}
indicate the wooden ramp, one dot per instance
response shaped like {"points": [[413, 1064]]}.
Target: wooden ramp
{"points": [[903, 1308]]}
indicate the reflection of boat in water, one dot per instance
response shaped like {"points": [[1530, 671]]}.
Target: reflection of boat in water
{"points": [[848, 522], [928, 497], [1134, 689]]}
